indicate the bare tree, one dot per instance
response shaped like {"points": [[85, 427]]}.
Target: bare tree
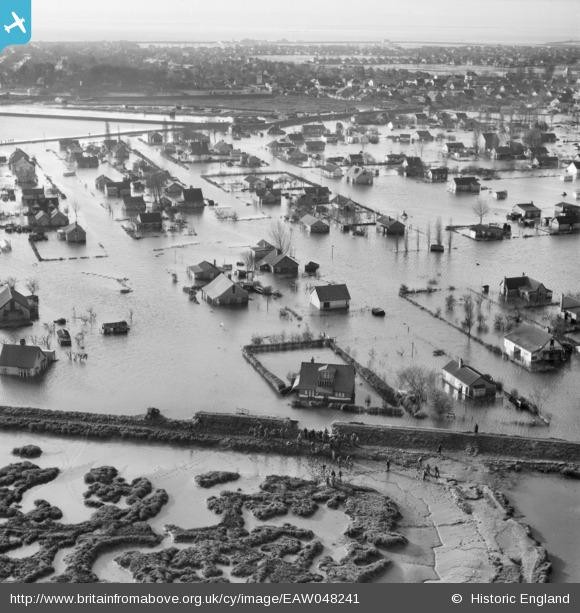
{"points": [[438, 231], [415, 380], [155, 182], [450, 303], [280, 237], [481, 209], [249, 259], [450, 235], [32, 286], [75, 209], [469, 312]]}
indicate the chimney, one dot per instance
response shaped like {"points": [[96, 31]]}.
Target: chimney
{"points": [[460, 362]]}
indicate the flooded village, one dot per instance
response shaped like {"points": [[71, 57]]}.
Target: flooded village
{"points": [[278, 312]]}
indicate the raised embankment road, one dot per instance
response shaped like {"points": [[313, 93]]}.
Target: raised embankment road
{"points": [[281, 435]]}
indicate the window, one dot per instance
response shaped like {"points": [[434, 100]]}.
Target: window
{"points": [[326, 305]]}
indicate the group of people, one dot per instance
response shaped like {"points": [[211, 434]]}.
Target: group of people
{"points": [[427, 471], [261, 431]]}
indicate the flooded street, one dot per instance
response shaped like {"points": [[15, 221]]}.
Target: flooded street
{"points": [[183, 357]]}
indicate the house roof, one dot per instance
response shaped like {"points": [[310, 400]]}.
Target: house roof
{"points": [[251, 179], [478, 227], [389, 222], [19, 356], [570, 304], [204, 266], [309, 220], [150, 217], [193, 194], [529, 338], [71, 227], [273, 258], [8, 293], [568, 219], [343, 376], [133, 200], [526, 206], [330, 293], [219, 286], [465, 180], [464, 373]]}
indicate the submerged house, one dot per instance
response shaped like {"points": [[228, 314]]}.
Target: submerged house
{"points": [[359, 176], [525, 288], [73, 233], [437, 175], [58, 219], [315, 225], [222, 291], [527, 211], [192, 199], [278, 263], [261, 249], [204, 272], [326, 382], [570, 310], [330, 297], [391, 226], [149, 222], [466, 185], [533, 348], [331, 171], [24, 360], [134, 205], [468, 381], [488, 232], [16, 310], [565, 224]]}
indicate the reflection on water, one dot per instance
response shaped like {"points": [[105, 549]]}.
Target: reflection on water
{"points": [[184, 357]]}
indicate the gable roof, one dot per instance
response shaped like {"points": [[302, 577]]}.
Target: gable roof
{"points": [[273, 258], [219, 286], [343, 376], [389, 222], [8, 293], [20, 356], [262, 244], [464, 373], [193, 194], [331, 293], [526, 206], [529, 337], [73, 226], [150, 217], [204, 266], [309, 220], [570, 304]]}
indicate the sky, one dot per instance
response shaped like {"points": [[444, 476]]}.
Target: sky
{"points": [[492, 21]]}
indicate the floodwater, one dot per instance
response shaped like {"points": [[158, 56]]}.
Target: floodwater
{"points": [[184, 357]]}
